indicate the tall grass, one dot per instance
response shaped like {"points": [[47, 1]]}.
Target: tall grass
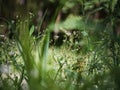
{"points": [[34, 55]]}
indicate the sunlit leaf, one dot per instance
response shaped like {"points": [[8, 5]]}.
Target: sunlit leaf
{"points": [[31, 30]]}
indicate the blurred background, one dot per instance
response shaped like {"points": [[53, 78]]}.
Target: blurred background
{"points": [[12, 10]]}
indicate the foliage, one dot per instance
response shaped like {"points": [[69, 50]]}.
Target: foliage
{"points": [[88, 58]]}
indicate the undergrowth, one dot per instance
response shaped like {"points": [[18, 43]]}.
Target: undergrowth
{"points": [[88, 59]]}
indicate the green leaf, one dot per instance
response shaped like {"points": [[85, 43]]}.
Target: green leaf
{"points": [[84, 33], [31, 30]]}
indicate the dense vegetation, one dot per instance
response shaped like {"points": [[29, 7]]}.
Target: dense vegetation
{"points": [[59, 44]]}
